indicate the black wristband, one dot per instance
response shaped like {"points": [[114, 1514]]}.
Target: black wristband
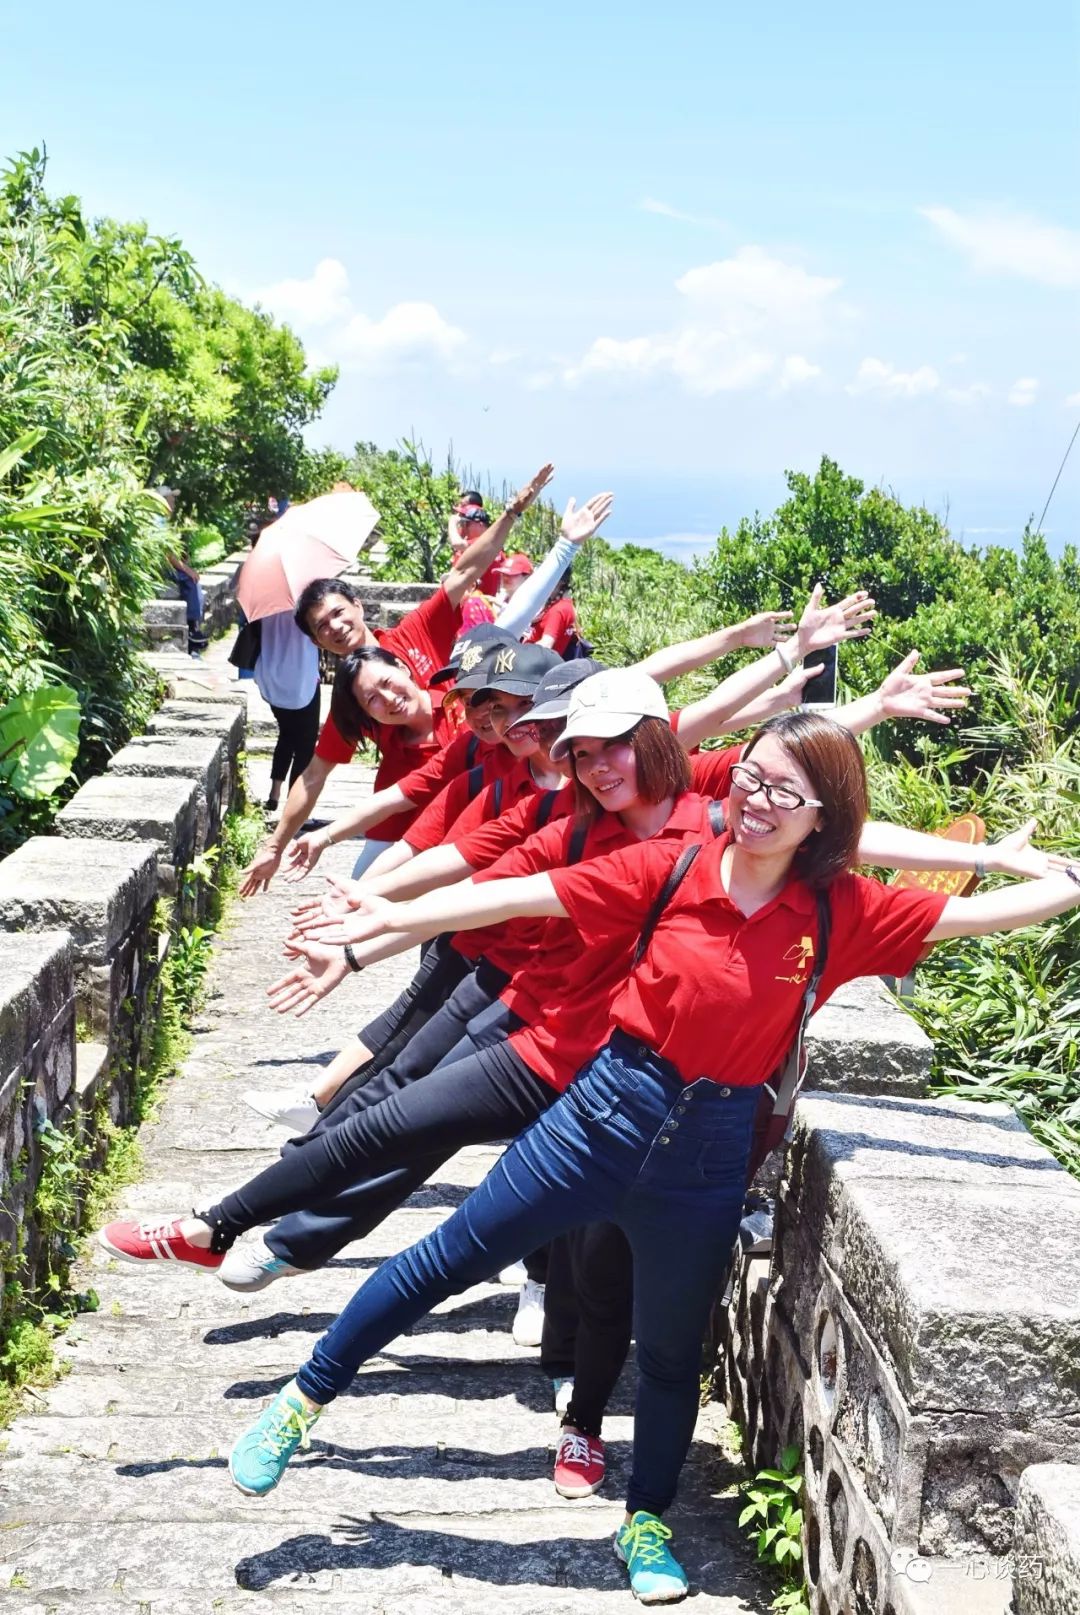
{"points": [[1073, 873], [350, 958]]}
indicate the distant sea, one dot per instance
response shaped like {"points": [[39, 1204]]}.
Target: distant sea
{"points": [[682, 516]]}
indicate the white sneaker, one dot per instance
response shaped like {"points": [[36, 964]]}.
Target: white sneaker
{"points": [[563, 1392], [529, 1321], [252, 1265], [293, 1108], [513, 1276]]}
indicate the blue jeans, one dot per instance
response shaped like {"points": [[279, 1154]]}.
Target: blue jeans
{"points": [[627, 1143]]}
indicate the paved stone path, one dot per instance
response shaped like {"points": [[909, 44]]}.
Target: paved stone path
{"points": [[427, 1489]]}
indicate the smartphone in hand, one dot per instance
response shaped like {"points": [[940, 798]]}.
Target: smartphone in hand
{"points": [[821, 689]]}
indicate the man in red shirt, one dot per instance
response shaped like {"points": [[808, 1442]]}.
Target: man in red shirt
{"points": [[331, 612]]}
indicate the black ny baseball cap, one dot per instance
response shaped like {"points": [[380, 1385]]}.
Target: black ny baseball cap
{"points": [[513, 669]]}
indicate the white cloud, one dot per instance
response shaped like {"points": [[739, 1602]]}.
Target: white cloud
{"points": [[323, 297], [738, 315], [997, 241], [408, 333], [1023, 391], [1073, 401], [877, 376], [796, 371]]}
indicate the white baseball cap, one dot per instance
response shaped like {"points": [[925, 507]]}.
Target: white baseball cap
{"points": [[610, 704]]}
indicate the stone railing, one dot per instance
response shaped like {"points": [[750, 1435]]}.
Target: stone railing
{"points": [[83, 935], [915, 1330]]}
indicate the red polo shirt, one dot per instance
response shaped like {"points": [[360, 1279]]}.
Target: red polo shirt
{"points": [[482, 846], [719, 993], [558, 622], [711, 771], [424, 785], [423, 639], [556, 1040], [459, 807]]}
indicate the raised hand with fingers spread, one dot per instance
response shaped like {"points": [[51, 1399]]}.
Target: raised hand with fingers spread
{"points": [[821, 626], [580, 524], [929, 696]]}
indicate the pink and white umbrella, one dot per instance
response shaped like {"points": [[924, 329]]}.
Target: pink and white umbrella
{"points": [[317, 540]]}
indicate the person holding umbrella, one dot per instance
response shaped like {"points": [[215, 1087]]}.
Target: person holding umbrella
{"points": [[309, 543]]}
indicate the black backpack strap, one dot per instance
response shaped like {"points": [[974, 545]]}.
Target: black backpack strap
{"points": [[577, 842], [472, 750], [716, 818], [475, 778], [663, 898], [786, 1081], [496, 799], [545, 808]]}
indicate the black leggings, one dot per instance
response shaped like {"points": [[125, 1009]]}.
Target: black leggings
{"points": [[480, 1100], [298, 730], [470, 1019], [588, 1310]]}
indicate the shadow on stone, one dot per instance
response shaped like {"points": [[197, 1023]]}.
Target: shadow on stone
{"points": [[495, 1377], [491, 1312], [554, 1561]]}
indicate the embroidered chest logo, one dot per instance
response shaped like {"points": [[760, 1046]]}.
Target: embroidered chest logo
{"points": [[504, 662], [799, 956], [470, 656]]}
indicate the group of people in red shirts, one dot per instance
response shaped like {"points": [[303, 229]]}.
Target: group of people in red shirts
{"points": [[624, 933]]}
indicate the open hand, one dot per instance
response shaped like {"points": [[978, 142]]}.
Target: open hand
{"points": [[532, 490], [1014, 855], [767, 628], [320, 970], [304, 853], [578, 525], [821, 626], [260, 871], [374, 917], [929, 696]]}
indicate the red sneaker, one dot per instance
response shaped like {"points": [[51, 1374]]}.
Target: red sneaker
{"points": [[579, 1465], [156, 1242]]}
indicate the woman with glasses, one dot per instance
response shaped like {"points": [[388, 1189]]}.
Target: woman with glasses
{"points": [[655, 1131]]}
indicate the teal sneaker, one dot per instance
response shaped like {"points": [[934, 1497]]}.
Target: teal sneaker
{"points": [[656, 1576], [257, 1461]]}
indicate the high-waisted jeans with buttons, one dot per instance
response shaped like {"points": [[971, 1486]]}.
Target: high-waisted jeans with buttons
{"points": [[628, 1142]]}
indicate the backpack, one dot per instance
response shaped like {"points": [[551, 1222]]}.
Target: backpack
{"points": [[577, 648]]}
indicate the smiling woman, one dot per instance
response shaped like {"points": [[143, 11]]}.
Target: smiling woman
{"points": [[374, 686]]}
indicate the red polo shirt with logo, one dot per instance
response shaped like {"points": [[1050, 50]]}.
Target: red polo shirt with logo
{"points": [[719, 993]]}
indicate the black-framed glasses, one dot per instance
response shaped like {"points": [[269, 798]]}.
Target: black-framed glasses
{"points": [[748, 780]]}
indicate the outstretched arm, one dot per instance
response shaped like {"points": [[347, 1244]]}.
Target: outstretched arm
{"points": [[672, 661], [471, 565], [298, 807], [455, 908], [818, 627], [1008, 908], [577, 526], [891, 846]]}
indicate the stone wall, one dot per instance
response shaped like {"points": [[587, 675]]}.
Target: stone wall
{"points": [[86, 917], [914, 1329]]}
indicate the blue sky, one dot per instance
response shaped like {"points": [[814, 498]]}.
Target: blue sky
{"points": [[675, 249]]}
